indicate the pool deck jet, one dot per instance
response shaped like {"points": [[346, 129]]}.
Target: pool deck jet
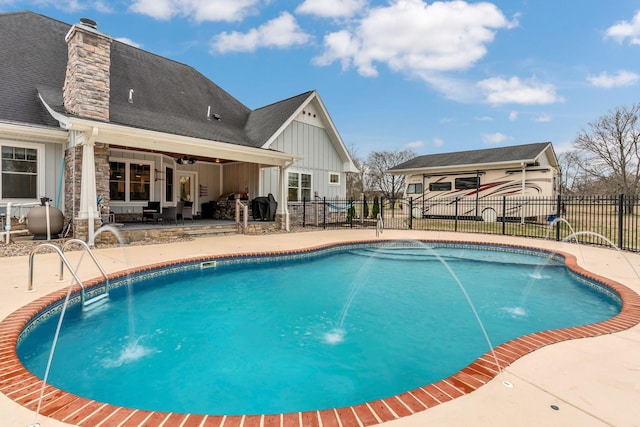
{"points": [[581, 382]]}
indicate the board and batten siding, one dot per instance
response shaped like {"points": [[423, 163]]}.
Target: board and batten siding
{"points": [[241, 178], [53, 154], [320, 159]]}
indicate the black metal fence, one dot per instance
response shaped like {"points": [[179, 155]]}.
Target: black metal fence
{"points": [[597, 220]]}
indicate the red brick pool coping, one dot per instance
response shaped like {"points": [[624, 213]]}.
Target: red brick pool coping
{"points": [[24, 388]]}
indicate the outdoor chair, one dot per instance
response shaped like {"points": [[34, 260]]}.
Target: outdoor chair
{"points": [[173, 213], [151, 211], [187, 211]]}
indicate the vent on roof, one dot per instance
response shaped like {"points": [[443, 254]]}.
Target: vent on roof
{"points": [[214, 115], [89, 22], [130, 96]]}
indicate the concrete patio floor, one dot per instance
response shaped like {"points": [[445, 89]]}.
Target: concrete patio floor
{"points": [[591, 381]]}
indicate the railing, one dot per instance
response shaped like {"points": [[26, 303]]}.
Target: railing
{"points": [[614, 217], [65, 262], [86, 249], [242, 213]]}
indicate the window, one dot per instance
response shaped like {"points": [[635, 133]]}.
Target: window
{"points": [[117, 177], [334, 178], [168, 184], [19, 172], [467, 183], [299, 185], [414, 188], [440, 186], [129, 181]]}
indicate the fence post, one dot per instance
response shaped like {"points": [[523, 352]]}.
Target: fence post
{"points": [[558, 211], [324, 213], [504, 215], [351, 211], [621, 221], [382, 208], [304, 211], [455, 221], [410, 213]]}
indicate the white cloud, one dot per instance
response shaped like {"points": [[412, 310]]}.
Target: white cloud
{"points": [[625, 29], [198, 10], [484, 119], [513, 116], [280, 32], [415, 144], [494, 138], [542, 118], [621, 78], [514, 91], [414, 37], [73, 6], [331, 8], [128, 41], [436, 142]]}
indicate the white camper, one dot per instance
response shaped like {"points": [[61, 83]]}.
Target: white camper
{"points": [[474, 184]]}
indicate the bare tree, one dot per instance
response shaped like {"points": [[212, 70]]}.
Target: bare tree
{"points": [[356, 180], [610, 147], [378, 162], [572, 175]]}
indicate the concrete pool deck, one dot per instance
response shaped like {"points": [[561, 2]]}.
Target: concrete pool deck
{"points": [[591, 381]]}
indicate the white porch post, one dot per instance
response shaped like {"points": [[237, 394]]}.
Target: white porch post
{"points": [[284, 196], [88, 197]]}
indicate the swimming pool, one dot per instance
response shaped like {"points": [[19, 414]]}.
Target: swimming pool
{"points": [[339, 332]]}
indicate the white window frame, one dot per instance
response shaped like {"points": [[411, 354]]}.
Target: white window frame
{"points": [[300, 173], [127, 181], [40, 186], [334, 174]]}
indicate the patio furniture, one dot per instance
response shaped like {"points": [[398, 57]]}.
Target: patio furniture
{"points": [[151, 211], [187, 211], [173, 213]]}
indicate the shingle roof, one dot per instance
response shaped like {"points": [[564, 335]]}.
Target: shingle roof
{"points": [[515, 153], [265, 121], [32, 53], [168, 96]]}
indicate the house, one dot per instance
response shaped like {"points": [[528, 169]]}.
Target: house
{"points": [[529, 170], [85, 117]]}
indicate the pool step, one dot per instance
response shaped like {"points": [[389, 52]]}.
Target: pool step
{"points": [[216, 231]]}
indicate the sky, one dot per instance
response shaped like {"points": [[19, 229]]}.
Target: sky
{"points": [[431, 77]]}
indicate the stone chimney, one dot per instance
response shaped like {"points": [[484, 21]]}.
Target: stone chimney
{"points": [[87, 82]]}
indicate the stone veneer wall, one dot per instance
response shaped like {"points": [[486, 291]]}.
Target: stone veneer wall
{"points": [[72, 174], [73, 182], [87, 81], [101, 152]]}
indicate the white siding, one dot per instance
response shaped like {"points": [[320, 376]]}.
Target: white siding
{"points": [[53, 170], [320, 158]]}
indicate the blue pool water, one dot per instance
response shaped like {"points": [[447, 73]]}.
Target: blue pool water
{"points": [[335, 328]]}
